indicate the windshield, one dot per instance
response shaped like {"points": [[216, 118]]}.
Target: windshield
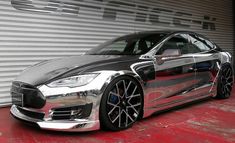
{"points": [[135, 44]]}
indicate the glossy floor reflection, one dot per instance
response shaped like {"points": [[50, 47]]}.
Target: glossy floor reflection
{"points": [[208, 121]]}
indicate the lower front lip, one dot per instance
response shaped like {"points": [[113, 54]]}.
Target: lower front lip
{"points": [[58, 125]]}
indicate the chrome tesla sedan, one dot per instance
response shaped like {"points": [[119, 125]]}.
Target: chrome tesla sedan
{"points": [[121, 81]]}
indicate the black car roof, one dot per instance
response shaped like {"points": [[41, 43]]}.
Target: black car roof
{"points": [[166, 32], [163, 32]]}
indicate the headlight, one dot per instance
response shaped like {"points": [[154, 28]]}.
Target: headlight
{"points": [[74, 81]]}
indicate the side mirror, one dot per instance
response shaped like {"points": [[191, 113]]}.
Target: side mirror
{"points": [[167, 54]]}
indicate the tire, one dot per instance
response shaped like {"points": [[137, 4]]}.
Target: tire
{"points": [[225, 82], [121, 104]]}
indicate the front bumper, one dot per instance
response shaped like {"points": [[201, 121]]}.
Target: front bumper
{"points": [[64, 108], [57, 125]]}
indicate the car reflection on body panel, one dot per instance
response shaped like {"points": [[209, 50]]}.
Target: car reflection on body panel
{"points": [[121, 81]]}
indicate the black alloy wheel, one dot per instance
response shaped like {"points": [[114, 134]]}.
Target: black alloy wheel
{"points": [[225, 82], [121, 104]]}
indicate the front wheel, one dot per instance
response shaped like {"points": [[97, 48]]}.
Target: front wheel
{"points": [[225, 82], [121, 104]]}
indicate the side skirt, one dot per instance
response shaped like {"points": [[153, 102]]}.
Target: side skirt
{"points": [[175, 104]]}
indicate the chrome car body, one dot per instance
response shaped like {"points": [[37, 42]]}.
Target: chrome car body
{"points": [[166, 80]]}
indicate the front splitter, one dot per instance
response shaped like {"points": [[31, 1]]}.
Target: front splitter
{"points": [[75, 125]]}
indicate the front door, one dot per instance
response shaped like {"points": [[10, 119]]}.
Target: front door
{"points": [[174, 74]]}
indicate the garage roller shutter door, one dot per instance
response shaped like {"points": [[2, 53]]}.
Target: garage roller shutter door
{"points": [[36, 30]]}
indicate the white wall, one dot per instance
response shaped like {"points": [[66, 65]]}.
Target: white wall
{"points": [[36, 30]]}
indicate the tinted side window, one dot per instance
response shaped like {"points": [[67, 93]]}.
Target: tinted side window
{"points": [[199, 44], [179, 42], [209, 44], [145, 44]]}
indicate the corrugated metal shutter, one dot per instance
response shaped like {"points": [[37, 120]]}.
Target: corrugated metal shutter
{"points": [[36, 30]]}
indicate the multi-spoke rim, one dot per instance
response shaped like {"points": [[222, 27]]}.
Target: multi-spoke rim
{"points": [[226, 81], [124, 103]]}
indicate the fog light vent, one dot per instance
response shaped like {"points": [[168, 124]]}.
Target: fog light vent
{"points": [[71, 112]]}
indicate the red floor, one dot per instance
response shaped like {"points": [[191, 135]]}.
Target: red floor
{"points": [[211, 121]]}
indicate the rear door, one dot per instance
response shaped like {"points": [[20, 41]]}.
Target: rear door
{"points": [[207, 64]]}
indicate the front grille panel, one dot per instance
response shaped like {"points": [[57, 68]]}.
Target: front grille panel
{"points": [[26, 95]]}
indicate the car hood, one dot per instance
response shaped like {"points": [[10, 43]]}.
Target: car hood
{"points": [[46, 71]]}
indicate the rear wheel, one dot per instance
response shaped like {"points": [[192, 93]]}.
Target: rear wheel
{"points": [[121, 104], [225, 82]]}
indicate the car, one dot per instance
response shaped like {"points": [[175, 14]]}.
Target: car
{"points": [[121, 81]]}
